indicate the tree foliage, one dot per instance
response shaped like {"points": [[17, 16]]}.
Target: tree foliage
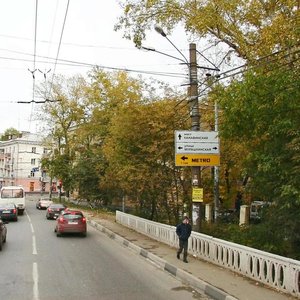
{"points": [[140, 151], [262, 112], [62, 118], [250, 28], [9, 132]]}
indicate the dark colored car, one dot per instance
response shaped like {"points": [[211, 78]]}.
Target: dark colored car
{"points": [[9, 211], [54, 210], [3, 232], [70, 221]]}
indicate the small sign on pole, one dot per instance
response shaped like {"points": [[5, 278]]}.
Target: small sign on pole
{"points": [[197, 195]]}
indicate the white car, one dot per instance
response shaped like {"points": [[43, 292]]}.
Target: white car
{"points": [[43, 203]]}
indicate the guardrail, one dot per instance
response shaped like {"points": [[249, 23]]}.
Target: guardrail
{"points": [[272, 270]]}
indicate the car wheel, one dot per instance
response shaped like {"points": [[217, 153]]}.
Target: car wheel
{"points": [[83, 234], [1, 244], [58, 234], [4, 240], [16, 219]]}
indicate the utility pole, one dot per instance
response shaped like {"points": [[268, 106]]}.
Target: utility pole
{"points": [[216, 171], [195, 120]]}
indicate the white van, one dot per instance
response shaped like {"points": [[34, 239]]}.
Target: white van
{"points": [[13, 194]]}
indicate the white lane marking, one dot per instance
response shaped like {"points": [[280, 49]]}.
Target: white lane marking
{"points": [[30, 223], [34, 249], [35, 277]]}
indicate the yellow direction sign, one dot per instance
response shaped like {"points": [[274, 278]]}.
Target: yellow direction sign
{"points": [[197, 195], [197, 160]]}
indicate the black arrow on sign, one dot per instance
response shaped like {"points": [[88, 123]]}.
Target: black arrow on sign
{"points": [[215, 148], [180, 147], [184, 158], [179, 136]]}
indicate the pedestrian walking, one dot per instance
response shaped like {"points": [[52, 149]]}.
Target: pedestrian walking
{"points": [[183, 231]]}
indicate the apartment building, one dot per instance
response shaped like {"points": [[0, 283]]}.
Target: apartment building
{"points": [[20, 162]]}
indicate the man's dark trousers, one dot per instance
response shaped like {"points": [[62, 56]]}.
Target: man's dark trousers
{"points": [[183, 245]]}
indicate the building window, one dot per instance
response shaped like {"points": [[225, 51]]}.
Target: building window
{"points": [[33, 150], [33, 161]]}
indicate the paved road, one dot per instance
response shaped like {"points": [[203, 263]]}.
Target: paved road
{"points": [[36, 265]]}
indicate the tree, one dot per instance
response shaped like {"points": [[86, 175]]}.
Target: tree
{"points": [[140, 152], [263, 112], [10, 132], [250, 28], [63, 117]]}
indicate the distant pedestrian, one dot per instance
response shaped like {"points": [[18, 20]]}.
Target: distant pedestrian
{"points": [[183, 231]]}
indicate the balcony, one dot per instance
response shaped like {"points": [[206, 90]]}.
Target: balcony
{"points": [[5, 155]]}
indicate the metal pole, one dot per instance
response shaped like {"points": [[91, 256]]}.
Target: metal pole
{"points": [[216, 170], [195, 120]]}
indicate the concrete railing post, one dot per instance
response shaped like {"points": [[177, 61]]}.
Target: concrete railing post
{"points": [[208, 212], [244, 215]]}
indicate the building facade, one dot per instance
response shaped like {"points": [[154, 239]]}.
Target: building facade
{"points": [[20, 162]]}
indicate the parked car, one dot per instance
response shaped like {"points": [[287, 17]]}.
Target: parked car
{"points": [[8, 211], [256, 209], [54, 210], [3, 232], [70, 221], [43, 203]]}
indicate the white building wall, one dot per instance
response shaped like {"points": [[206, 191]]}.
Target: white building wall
{"points": [[20, 162]]}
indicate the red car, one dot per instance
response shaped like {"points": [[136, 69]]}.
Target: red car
{"points": [[70, 221]]}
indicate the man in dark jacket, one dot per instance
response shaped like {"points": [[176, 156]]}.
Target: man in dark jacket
{"points": [[183, 231]]}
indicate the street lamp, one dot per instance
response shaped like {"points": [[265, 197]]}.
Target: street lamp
{"points": [[159, 30], [162, 53]]}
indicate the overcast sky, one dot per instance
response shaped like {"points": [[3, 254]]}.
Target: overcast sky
{"points": [[87, 37]]}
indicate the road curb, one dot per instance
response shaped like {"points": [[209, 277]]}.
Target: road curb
{"points": [[184, 276]]}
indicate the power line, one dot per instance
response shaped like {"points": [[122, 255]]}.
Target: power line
{"points": [[59, 45], [89, 65], [34, 60], [38, 102]]}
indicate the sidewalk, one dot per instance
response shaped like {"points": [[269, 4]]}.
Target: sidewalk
{"points": [[215, 281]]}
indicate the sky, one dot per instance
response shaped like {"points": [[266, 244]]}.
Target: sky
{"points": [[39, 34]]}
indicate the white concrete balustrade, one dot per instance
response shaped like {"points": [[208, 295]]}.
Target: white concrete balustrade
{"points": [[275, 271]]}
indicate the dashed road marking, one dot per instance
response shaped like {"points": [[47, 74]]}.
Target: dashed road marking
{"points": [[35, 277], [35, 274]]}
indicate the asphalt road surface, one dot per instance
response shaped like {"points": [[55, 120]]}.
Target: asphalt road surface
{"points": [[37, 265]]}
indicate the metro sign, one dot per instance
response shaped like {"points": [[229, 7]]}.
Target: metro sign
{"points": [[197, 148], [197, 160]]}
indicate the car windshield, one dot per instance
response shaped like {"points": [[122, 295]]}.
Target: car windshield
{"points": [[56, 206], [72, 216]]}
